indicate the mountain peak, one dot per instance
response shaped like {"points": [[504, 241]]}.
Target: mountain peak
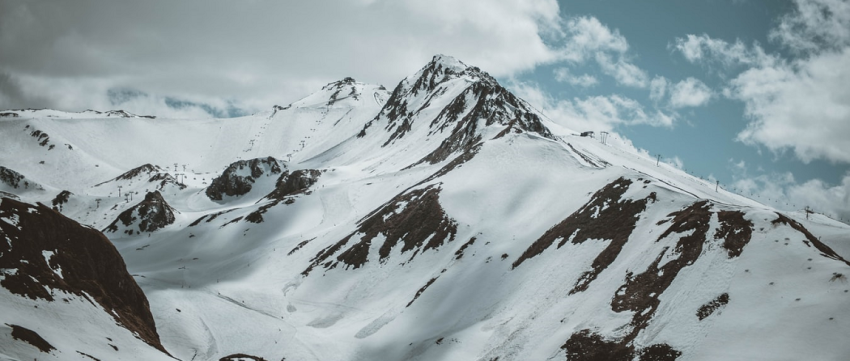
{"points": [[448, 62]]}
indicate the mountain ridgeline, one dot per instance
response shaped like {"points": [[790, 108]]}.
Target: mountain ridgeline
{"points": [[446, 219]]}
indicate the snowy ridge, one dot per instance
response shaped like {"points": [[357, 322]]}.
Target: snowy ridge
{"points": [[445, 220]]}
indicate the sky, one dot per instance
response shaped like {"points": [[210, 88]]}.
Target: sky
{"points": [[753, 94]]}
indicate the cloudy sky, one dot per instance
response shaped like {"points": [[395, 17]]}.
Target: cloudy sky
{"points": [[752, 93]]}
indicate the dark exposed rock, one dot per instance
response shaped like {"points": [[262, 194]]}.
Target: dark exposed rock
{"points": [[422, 290], [145, 169], [41, 137], [659, 352], [286, 186], [586, 345], [164, 179], [61, 199], [298, 181], [31, 337], [299, 246], [343, 89], [8, 115], [735, 231], [641, 293], [459, 252], [709, 308], [11, 178], [82, 262], [825, 250], [605, 216], [483, 100], [410, 218], [241, 357], [239, 177], [209, 217], [152, 213]]}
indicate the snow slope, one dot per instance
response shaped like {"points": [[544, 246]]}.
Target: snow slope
{"points": [[444, 220]]}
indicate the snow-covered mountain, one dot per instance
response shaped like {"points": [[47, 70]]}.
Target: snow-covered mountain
{"points": [[444, 220]]}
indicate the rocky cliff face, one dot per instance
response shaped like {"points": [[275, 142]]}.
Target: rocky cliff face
{"points": [[149, 215], [44, 252], [239, 177]]}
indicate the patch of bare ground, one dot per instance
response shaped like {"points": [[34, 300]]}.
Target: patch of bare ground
{"points": [[91, 267], [299, 246], [89, 356], [422, 290], [605, 216], [241, 357], [587, 345], [410, 218], [60, 199], [825, 250], [31, 337], [209, 217], [735, 231], [640, 293], [709, 308], [459, 252]]}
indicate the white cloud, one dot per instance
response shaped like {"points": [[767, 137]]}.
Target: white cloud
{"points": [[690, 92], [586, 36], [740, 166], [802, 103], [815, 26], [585, 80], [588, 39], [658, 88], [622, 71], [803, 106], [599, 113], [258, 52], [704, 49], [783, 192]]}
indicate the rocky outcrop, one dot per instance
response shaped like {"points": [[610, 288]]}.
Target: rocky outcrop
{"points": [[415, 220], [239, 177], [150, 214], [145, 170], [607, 216], [483, 103], [286, 186], [293, 183], [15, 180], [44, 250], [61, 199]]}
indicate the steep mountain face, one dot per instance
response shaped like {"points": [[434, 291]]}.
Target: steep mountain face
{"points": [[446, 220], [464, 99], [54, 267], [150, 214], [239, 177]]}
